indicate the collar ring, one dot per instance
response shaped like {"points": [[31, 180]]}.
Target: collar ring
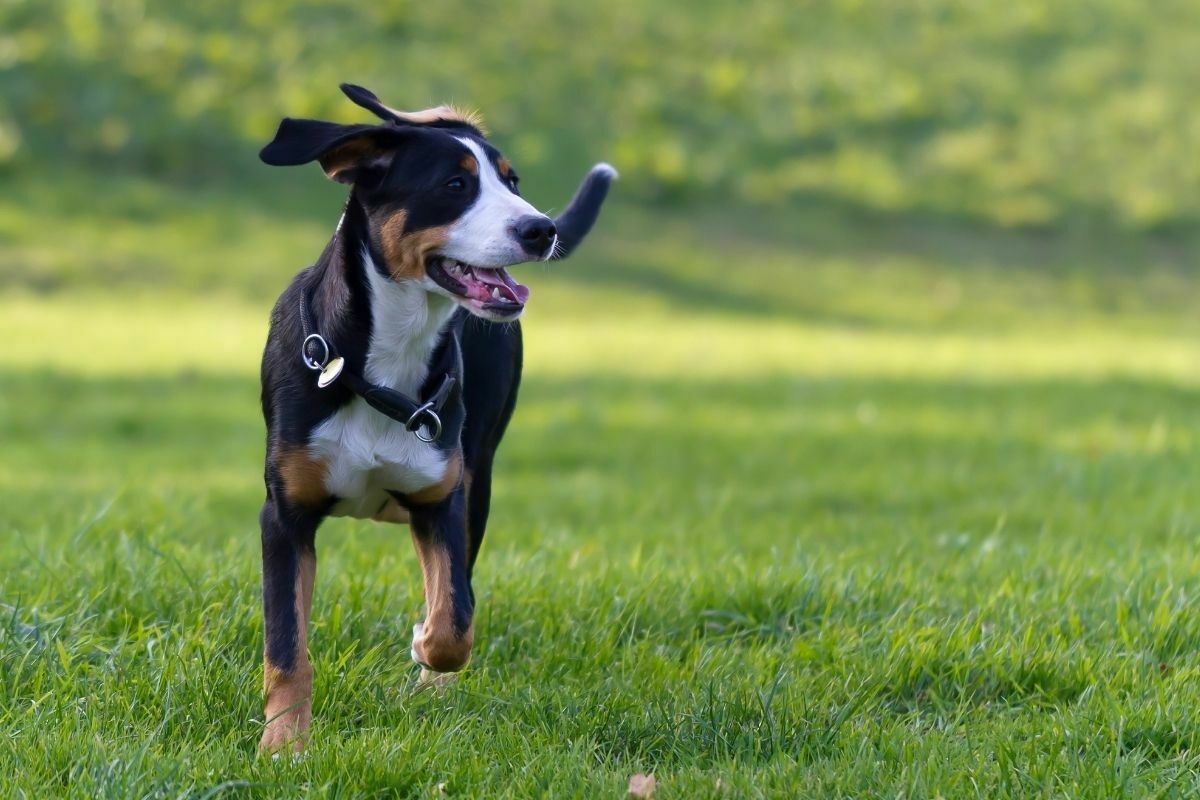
{"points": [[309, 361]]}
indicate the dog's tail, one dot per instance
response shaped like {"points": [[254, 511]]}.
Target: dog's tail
{"points": [[580, 214]]}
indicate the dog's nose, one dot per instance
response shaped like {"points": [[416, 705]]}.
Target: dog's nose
{"points": [[535, 234]]}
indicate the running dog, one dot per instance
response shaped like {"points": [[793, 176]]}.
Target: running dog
{"points": [[385, 386]]}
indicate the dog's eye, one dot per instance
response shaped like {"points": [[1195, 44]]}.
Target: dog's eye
{"points": [[456, 184], [513, 179]]}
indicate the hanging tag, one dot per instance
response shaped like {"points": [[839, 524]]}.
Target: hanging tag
{"points": [[331, 372]]}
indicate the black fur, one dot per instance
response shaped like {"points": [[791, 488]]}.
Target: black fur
{"points": [[284, 541]]}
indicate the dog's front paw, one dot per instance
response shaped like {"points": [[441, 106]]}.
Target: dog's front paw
{"points": [[288, 716], [286, 732], [436, 647], [429, 678]]}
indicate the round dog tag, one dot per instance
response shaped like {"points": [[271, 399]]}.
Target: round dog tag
{"points": [[331, 372]]}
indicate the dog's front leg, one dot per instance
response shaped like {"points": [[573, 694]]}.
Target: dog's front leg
{"points": [[443, 642], [289, 569]]}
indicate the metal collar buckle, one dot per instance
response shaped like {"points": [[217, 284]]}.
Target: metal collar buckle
{"points": [[309, 361], [414, 422]]}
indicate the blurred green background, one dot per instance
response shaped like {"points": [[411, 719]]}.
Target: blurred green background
{"points": [[1024, 113], [129, 129], [860, 441]]}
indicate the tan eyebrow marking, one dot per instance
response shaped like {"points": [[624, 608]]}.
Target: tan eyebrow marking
{"points": [[470, 164], [503, 166]]}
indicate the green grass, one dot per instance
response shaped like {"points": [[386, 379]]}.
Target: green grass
{"points": [[843, 508], [856, 456]]}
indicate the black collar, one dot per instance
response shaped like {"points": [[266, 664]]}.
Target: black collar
{"points": [[319, 354]]}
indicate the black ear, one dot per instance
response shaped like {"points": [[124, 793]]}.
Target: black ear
{"points": [[347, 152], [368, 100], [440, 116]]}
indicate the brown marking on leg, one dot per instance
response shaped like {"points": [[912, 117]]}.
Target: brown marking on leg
{"points": [[288, 711], [437, 644], [303, 476], [438, 492], [405, 252]]}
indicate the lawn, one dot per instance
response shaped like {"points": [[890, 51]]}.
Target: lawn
{"points": [[816, 505]]}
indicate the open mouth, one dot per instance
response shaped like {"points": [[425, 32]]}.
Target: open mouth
{"points": [[491, 289]]}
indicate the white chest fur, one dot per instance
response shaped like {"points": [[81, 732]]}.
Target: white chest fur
{"points": [[365, 453]]}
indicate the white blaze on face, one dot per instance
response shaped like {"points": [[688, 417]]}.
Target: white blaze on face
{"points": [[483, 236]]}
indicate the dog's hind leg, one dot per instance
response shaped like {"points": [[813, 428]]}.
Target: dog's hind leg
{"points": [[442, 643], [289, 569]]}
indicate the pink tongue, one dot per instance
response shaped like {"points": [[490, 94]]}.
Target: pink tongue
{"points": [[501, 280]]}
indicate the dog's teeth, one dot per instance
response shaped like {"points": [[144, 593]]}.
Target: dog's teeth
{"points": [[496, 294]]}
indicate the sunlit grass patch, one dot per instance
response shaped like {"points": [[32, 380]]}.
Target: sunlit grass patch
{"points": [[164, 334]]}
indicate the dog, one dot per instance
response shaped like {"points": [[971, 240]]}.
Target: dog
{"points": [[386, 384]]}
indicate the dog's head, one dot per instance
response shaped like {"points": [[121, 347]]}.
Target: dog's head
{"points": [[441, 202]]}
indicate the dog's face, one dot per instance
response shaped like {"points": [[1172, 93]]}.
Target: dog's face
{"points": [[446, 214], [442, 203]]}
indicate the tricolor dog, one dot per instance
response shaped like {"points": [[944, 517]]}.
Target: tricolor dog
{"points": [[386, 387]]}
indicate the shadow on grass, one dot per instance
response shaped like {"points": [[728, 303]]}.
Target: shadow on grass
{"points": [[809, 259], [824, 260]]}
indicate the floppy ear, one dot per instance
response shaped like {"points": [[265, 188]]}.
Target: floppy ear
{"points": [[347, 153], [368, 100], [439, 115]]}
